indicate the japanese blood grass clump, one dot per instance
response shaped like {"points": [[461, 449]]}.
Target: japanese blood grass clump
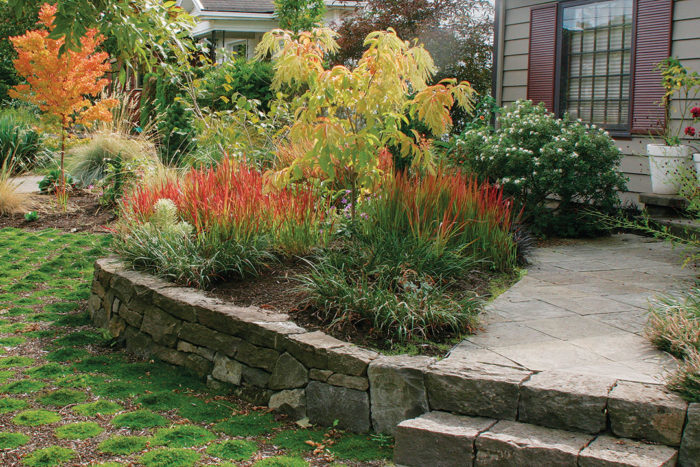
{"points": [[217, 223], [400, 272]]}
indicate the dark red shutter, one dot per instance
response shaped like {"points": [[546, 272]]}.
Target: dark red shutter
{"points": [[652, 44], [541, 68]]}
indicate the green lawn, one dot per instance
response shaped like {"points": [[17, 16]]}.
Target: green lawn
{"points": [[67, 397]]}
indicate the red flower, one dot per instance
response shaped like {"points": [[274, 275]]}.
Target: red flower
{"points": [[695, 112], [690, 131]]}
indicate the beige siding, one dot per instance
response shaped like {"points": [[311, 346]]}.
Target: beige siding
{"points": [[513, 73]]}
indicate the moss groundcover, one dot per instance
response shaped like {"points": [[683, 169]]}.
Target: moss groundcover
{"points": [[68, 396]]}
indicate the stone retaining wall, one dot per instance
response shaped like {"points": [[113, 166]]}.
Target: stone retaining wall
{"points": [[269, 360]]}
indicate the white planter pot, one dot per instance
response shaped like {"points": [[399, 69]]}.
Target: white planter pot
{"points": [[665, 164], [696, 161]]}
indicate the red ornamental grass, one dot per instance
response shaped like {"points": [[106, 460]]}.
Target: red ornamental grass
{"points": [[452, 208], [231, 201]]}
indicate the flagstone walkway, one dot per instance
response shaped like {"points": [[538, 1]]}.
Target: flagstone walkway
{"points": [[581, 308]]}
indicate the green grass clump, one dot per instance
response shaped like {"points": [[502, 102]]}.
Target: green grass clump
{"points": [[49, 371], [361, 448], [139, 420], [100, 407], [5, 375], [49, 457], [15, 362], [61, 307], [123, 445], [97, 363], [253, 424], [12, 341], [183, 436], [10, 440], [233, 449], [210, 412], [36, 418], [166, 400], [281, 461], [80, 430], [78, 380], [169, 457], [18, 311], [295, 441], [81, 339], [63, 397], [23, 386], [118, 389], [9, 404], [73, 319], [67, 354]]}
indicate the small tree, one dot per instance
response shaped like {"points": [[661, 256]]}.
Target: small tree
{"points": [[351, 115], [299, 15], [61, 84]]}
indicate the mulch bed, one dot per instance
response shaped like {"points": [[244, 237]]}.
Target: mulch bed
{"points": [[83, 214]]}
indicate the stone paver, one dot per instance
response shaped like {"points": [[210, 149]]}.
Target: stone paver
{"points": [[581, 308], [27, 184]]}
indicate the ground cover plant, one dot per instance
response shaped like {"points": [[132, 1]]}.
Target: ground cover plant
{"points": [[674, 326], [39, 429]]}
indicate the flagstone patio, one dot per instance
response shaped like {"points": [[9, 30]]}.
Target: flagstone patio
{"points": [[581, 308]]}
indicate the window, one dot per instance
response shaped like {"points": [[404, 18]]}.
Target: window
{"points": [[596, 55]]}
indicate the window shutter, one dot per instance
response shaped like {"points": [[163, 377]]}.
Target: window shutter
{"points": [[652, 44], [542, 55]]}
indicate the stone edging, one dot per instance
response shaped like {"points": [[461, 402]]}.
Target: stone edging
{"points": [[268, 359]]}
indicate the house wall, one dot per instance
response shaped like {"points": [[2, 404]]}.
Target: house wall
{"points": [[512, 63]]}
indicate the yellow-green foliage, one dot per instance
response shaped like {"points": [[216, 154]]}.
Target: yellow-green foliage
{"points": [[350, 114]]}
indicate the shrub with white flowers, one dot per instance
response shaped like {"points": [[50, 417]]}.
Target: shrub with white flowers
{"points": [[557, 169]]}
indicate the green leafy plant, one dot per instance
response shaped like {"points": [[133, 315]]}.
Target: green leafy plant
{"points": [[80, 430], [101, 407], [351, 115], [139, 420], [281, 461], [19, 142], [183, 436], [300, 15], [233, 449], [169, 457], [48, 457], [10, 440], [36, 418], [31, 216], [63, 397], [9, 404], [51, 181], [123, 445], [252, 424], [557, 170], [682, 86]]}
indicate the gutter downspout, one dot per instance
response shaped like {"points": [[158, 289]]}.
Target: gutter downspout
{"points": [[499, 32]]}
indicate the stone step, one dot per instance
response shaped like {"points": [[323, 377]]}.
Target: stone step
{"points": [[441, 439]]}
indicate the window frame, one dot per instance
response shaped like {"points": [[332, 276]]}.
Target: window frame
{"points": [[615, 130]]}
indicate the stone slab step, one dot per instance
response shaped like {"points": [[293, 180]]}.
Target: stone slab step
{"points": [[442, 439]]}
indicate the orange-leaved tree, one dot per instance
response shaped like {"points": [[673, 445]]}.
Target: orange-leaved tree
{"points": [[63, 83]]}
